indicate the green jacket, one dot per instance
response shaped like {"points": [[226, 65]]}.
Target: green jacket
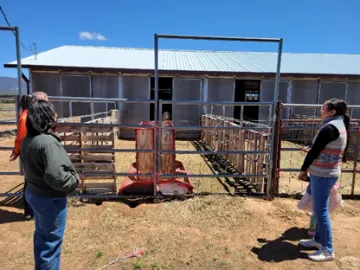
{"points": [[47, 167]]}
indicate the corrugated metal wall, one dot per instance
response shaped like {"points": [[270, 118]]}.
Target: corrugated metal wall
{"points": [[135, 88], [267, 95], [353, 97], [330, 90], [214, 89], [304, 92], [190, 90], [50, 84], [308, 92], [221, 90], [76, 86], [105, 87]]}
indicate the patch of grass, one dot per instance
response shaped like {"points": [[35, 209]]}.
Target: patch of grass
{"points": [[155, 265], [227, 250], [138, 265], [22, 255], [224, 264], [67, 251], [99, 254], [7, 105]]}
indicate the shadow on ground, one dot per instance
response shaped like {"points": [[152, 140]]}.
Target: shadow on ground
{"points": [[219, 165], [131, 202], [281, 249], [9, 217], [13, 201]]}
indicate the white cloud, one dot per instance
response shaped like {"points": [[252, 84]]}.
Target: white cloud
{"points": [[91, 36]]}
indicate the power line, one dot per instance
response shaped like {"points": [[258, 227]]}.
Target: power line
{"points": [[7, 21]]}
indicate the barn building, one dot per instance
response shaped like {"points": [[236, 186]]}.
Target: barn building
{"points": [[87, 71]]}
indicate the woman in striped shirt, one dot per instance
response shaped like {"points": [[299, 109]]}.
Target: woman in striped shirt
{"points": [[323, 163]]}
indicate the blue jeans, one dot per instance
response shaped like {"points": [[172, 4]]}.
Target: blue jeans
{"points": [[50, 222], [320, 188]]}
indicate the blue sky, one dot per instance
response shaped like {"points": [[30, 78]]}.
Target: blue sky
{"points": [[326, 26]]}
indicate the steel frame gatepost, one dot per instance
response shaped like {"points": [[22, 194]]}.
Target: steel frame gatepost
{"points": [[157, 37], [16, 31]]}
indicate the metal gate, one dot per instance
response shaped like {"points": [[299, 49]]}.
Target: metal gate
{"points": [[216, 143], [220, 136], [297, 132]]}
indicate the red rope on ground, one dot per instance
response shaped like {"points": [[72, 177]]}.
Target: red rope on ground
{"points": [[136, 253]]}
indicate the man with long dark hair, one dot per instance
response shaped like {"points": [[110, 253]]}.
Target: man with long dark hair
{"points": [[50, 175]]}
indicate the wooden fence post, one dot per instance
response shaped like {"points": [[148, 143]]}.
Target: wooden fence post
{"points": [[115, 116]]}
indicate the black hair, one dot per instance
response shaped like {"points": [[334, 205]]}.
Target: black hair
{"points": [[340, 108], [25, 102], [41, 118]]}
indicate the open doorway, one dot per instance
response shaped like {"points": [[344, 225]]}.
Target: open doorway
{"points": [[165, 93], [247, 90]]}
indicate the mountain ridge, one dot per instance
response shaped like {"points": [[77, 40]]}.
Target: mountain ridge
{"points": [[9, 85]]}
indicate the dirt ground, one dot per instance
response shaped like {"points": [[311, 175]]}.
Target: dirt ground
{"points": [[214, 232], [217, 232]]}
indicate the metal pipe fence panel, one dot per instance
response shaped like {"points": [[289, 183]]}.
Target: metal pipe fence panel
{"points": [[222, 154], [225, 167], [278, 41], [297, 132], [97, 142], [241, 168], [8, 113]]}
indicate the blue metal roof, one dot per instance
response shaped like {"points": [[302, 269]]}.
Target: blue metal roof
{"points": [[203, 61]]}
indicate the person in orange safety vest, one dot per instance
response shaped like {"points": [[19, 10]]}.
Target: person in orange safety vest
{"points": [[21, 127]]}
